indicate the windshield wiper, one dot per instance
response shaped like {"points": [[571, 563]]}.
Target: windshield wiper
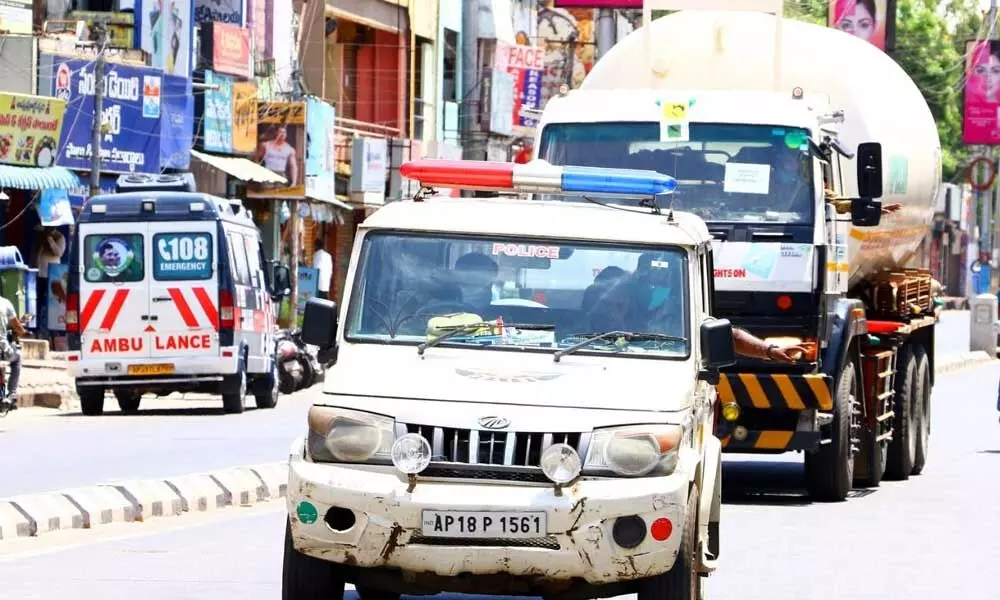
{"points": [[470, 327], [630, 336]]}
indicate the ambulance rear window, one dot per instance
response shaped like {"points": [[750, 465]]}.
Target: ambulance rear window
{"points": [[182, 256], [113, 258]]}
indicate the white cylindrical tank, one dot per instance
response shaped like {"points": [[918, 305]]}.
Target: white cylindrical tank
{"points": [[734, 50]]}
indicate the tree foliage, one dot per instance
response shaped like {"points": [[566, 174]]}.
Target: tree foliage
{"points": [[930, 46]]}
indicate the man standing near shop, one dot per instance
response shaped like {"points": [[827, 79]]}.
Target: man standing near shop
{"points": [[51, 247], [323, 263]]}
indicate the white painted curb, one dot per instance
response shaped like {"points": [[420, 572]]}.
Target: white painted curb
{"points": [[964, 360], [135, 501]]}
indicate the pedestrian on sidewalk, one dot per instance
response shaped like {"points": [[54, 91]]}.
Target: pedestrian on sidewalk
{"points": [[11, 330]]}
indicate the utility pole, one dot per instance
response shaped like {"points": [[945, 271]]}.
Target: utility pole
{"points": [[470, 78], [605, 31], [96, 130]]}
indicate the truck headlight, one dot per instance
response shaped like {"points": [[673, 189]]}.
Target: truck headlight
{"points": [[350, 435], [636, 450]]}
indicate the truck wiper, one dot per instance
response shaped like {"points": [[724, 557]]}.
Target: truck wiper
{"points": [[470, 327], [630, 336]]}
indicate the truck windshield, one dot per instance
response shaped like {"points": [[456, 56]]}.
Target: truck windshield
{"points": [[725, 172], [410, 288]]}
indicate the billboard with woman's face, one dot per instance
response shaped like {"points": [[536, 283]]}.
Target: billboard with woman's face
{"points": [[980, 122], [867, 19]]}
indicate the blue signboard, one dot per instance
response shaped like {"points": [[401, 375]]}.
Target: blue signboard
{"points": [[531, 94], [78, 195], [54, 208], [217, 120], [176, 129], [182, 256], [131, 117]]}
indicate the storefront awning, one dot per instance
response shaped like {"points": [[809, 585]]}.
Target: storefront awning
{"points": [[37, 178], [240, 168]]}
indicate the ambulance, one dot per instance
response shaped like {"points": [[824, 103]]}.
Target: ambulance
{"points": [[169, 292]]}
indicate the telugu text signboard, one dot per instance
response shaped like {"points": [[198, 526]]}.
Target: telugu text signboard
{"points": [[29, 129]]}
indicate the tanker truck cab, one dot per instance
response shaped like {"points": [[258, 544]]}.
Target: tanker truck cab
{"points": [[168, 292], [779, 148], [498, 419]]}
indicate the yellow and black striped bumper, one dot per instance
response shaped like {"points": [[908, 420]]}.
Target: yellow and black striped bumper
{"points": [[776, 391], [771, 441]]}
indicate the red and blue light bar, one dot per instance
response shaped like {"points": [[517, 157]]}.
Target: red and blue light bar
{"points": [[536, 177]]}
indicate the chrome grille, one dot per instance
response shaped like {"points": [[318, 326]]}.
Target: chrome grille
{"points": [[500, 448]]}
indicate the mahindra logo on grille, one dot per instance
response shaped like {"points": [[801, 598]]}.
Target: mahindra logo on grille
{"points": [[494, 422]]}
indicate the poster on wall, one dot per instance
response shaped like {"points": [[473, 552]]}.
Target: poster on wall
{"points": [[226, 48], [871, 20], [982, 93], [177, 125], [29, 129], [244, 117], [165, 31], [281, 141], [320, 149], [526, 65], [217, 123], [58, 284]]}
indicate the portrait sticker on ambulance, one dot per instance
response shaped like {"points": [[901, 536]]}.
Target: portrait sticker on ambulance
{"points": [[113, 258], [182, 256]]}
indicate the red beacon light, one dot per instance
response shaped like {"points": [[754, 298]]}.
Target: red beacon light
{"points": [[537, 176]]}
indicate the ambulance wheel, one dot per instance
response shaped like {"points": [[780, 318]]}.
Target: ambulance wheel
{"points": [[91, 401], [232, 402], [265, 388], [128, 401], [682, 581]]}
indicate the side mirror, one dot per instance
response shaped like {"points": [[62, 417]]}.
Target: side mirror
{"points": [[319, 325], [281, 279], [717, 348], [869, 159], [865, 212]]}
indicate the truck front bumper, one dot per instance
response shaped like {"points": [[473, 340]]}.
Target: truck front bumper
{"points": [[386, 528]]}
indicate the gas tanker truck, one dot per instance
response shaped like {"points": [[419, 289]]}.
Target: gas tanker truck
{"points": [[815, 161]]}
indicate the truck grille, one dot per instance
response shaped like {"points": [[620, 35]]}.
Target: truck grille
{"points": [[496, 448]]}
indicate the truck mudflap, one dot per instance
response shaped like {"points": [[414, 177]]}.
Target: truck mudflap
{"points": [[756, 441], [776, 391]]}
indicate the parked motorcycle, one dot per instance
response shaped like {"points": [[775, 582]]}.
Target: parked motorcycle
{"points": [[298, 367]]}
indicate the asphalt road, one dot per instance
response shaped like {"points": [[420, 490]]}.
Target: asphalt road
{"points": [[930, 538], [171, 437]]}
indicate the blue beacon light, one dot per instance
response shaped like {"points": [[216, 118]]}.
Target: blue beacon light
{"points": [[616, 181]]}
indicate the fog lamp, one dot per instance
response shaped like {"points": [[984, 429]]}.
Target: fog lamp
{"points": [[730, 411], [411, 453], [561, 463]]}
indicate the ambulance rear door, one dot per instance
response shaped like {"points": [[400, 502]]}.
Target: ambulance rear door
{"points": [[184, 290], [114, 293]]}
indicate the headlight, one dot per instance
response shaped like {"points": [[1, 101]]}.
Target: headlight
{"points": [[636, 450], [349, 435]]}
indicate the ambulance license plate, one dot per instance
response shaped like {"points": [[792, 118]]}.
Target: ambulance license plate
{"points": [[162, 369]]}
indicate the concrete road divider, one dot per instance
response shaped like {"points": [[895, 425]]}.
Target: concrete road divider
{"points": [[136, 501], [964, 360]]}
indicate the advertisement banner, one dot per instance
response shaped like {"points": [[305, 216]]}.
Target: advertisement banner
{"points": [[58, 284], [281, 135], [217, 118], [54, 209], [177, 125], [369, 167], [228, 47], [120, 25], [526, 64], [321, 147], [29, 129], [982, 93], [220, 11], [131, 119], [16, 16], [870, 20], [308, 280], [166, 31], [244, 117]]}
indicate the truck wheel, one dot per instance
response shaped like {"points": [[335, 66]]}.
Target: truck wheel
{"points": [[91, 401], [682, 582], [367, 593], [922, 411], [232, 402], [265, 388], [830, 469], [306, 578], [128, 400], [902, 448]]}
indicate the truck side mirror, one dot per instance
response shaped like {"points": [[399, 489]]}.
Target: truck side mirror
{"points": [[870, 170], [717, 348], [281, 281], [865, 212], [319, 325]]}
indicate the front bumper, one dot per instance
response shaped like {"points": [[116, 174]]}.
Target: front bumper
{"points": [[387, 530]]}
